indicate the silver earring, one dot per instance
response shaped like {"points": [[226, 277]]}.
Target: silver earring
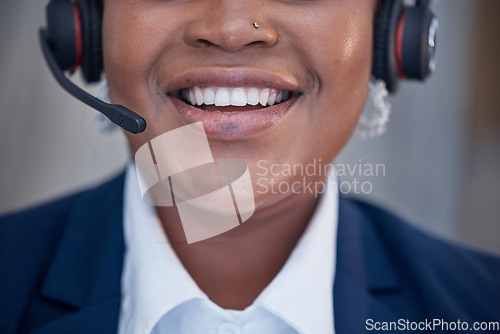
{"points": [[104, 124], [375, 116]]}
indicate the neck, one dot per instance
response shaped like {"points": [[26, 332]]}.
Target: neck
{"points": [[234, 267]]}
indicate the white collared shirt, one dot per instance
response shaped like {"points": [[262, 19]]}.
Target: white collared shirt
{"points": [[159, 296]]}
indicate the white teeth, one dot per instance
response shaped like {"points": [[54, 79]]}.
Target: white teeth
{"points": [[263, 97], [192, 98], [234, 96], [222, 97], [227, 112], [279, 97], [272, 99], [238, 97], [253, 96], [199, 96], [209, 96]]}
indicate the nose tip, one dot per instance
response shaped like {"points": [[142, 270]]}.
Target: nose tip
{"points": [[231, 34]]}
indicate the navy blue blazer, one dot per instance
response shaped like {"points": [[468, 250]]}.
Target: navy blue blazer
{"points": [[61, 265]]}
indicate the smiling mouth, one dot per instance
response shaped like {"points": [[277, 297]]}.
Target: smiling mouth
{"points": [[233, 103], [232, 100]]}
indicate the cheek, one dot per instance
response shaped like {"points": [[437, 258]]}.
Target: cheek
{"points": [[342, 58], [344, 80], [133, 39], [135, 35], [122, 54], [338, 50]]}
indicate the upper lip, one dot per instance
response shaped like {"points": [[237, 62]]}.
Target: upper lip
{"points": [[232, 77]]}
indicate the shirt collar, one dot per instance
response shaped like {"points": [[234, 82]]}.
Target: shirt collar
{"points": [[154, 281]]}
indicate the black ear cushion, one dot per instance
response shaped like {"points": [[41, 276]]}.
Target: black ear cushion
{"points": [[91, 20], [384, 65], [61, 32], [417, 55]]}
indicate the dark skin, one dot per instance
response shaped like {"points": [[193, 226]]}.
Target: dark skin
{"points": [[321, 47]]}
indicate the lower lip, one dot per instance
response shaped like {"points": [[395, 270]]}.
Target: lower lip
{"points": [[234, 126]]}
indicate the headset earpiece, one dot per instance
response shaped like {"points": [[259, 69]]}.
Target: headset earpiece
{"points": [[387, 21], [91, 20], [74, 33], [404, 42], [64, 33], [419, 40]]}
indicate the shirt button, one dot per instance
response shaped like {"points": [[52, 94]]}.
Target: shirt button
{"points": [[228, 328]]}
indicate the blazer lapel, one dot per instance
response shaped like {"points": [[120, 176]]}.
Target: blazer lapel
{"points": [[86, 269], [364, 273]]}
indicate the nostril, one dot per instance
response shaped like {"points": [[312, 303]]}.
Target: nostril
{"points": [[255, 43], [203, 42]]}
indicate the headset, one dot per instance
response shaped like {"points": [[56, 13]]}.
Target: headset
{"points": [[404, 48]]}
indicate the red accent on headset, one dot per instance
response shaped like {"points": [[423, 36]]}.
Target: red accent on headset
{"points": [[399, 47], [78, 35]]}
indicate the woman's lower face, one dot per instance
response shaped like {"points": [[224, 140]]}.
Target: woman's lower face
{"points": [[273, 82]]}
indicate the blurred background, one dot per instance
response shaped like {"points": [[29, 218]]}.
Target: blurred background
{"points": [[441, 152]]}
